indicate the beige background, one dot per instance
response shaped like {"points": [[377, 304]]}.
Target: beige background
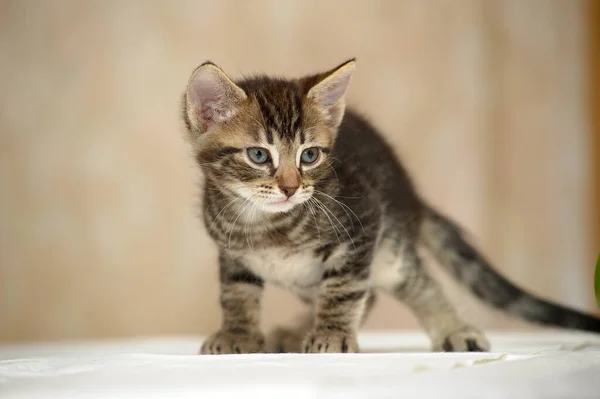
{"points": [[99, 235]]}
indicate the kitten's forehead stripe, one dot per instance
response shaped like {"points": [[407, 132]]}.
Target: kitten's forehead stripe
{"points": [[269, 135], [280, 104], [269, 115]]}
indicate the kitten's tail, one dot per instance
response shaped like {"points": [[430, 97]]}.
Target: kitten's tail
{"points": [[449, 245]]}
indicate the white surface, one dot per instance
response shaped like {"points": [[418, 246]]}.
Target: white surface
{"points": [[527, 365]]}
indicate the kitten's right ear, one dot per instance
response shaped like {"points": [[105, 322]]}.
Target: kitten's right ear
{"points": [[211, 97]]}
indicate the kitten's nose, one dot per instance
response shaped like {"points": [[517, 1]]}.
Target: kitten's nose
{"points": [[288, 190]]}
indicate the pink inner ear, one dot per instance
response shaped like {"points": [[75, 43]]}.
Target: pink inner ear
{"points": [[205, 118], [213, 97], [206, 94], [334, 91]]}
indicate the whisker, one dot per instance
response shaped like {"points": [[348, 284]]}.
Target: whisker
{"points": [[338, 220], [335, 230], [334, 172], [248, 219], [251, 218], [221, 211], [312, 211], [344, 207], [243, 207]]}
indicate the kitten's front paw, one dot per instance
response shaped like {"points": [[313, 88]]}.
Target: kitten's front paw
{"points": [[224, 342], [468, 339], [318, 341]]}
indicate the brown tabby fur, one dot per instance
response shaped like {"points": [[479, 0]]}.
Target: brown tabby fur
{"points": [[351, 227]]}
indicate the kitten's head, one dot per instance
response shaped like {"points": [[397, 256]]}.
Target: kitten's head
{"points": [[264, 139]]}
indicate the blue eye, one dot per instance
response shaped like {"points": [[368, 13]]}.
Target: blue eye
{"points": [[258, 155], [310, 155]]}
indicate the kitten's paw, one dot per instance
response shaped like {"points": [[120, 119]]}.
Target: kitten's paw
{"points": [[284, 340], [224, 342], [318, 341], [468, 339]]}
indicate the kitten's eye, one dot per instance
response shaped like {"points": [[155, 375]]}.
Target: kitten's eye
{"points": [[310, 155], [258, 155]]}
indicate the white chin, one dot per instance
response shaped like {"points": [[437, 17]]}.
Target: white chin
{"points": [[278, 207]]}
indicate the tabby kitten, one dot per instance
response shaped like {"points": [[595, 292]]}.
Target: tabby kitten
{"points": [[306, 195]]}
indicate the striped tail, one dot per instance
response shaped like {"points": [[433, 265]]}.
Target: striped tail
{"points": [[448, 244]]}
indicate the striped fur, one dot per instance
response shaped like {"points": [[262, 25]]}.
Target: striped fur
{"points": [[350, 229]]}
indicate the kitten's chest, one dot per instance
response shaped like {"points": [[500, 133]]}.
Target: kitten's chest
{"points": [[297, 271]]}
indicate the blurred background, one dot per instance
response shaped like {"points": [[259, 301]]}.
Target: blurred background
{"points": [[492, 105]]}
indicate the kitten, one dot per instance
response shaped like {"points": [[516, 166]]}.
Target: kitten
{"points": [[306, 195]]}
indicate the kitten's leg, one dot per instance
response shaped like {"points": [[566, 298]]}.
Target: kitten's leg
{"points": [[340, 307], [425, 297], [289, 339], [241, 292]]}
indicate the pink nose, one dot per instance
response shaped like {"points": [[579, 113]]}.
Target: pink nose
{"points": [[288, 190]]}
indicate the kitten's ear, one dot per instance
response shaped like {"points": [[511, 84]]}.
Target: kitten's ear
{"points": [[211, 97], [328, 90]]}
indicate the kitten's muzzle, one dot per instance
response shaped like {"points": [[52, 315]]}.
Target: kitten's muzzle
{"points": [[288, 190]]}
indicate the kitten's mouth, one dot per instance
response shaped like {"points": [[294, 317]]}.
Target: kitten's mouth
{"points": [[281, 205]]}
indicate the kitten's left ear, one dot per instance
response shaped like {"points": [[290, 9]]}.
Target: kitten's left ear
{"points": [[328, 90], [211, 97]]}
